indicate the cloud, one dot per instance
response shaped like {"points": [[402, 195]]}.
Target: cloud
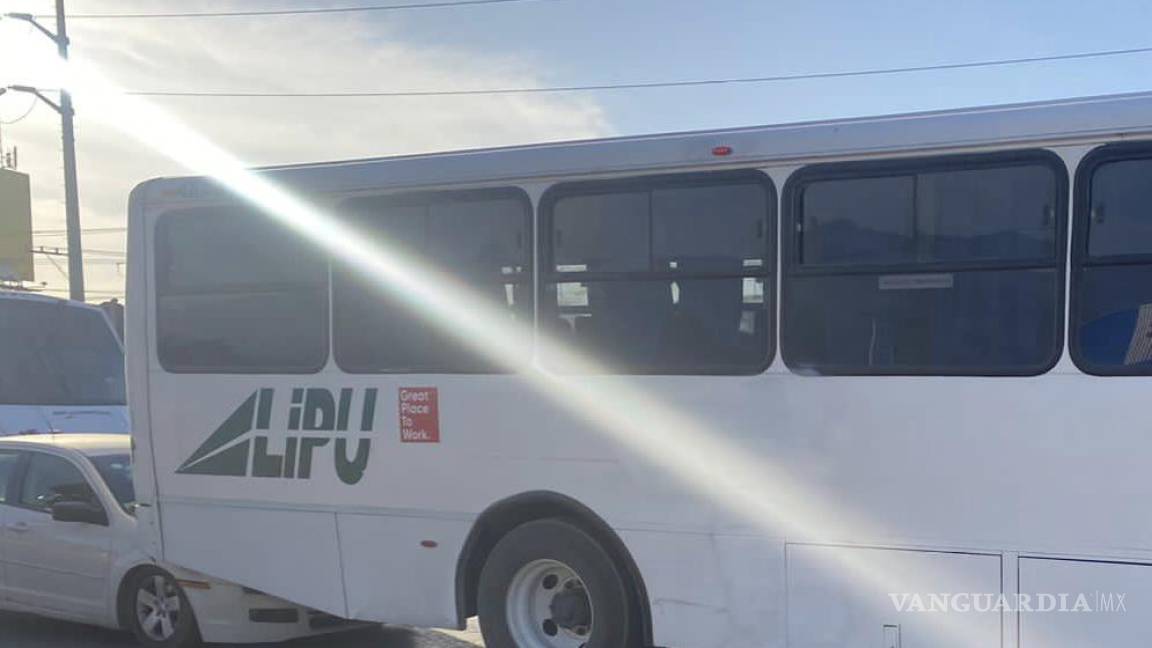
{"points": [[342, 52]]}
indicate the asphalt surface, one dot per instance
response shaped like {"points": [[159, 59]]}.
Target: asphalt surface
{"points": [[24, 631]]}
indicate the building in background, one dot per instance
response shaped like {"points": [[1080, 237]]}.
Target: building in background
{"points": [[15, 228]]}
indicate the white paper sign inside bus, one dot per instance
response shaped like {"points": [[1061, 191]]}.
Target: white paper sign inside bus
{"points": [[916, 281]]}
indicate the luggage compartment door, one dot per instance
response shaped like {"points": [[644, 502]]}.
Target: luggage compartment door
{"points": [[892, 598], [1084, 604]]}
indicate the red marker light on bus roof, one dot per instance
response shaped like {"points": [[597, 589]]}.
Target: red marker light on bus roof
{"points": [[721, 151]]}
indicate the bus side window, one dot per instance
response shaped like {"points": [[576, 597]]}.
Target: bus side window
{"points": [[663, 274], [238, 293], [481, 240], [942, 266], [1112, 283]]}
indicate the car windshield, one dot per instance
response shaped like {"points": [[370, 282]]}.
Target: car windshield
{"points": [[54, 353], [116, 470]]}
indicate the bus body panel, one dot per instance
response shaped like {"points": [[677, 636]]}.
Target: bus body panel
{"points": [[293, 552], [402, 566], [1114, 592], [990, 468]]}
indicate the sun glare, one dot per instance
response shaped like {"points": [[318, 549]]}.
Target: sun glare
{"points": [[708, 462]]}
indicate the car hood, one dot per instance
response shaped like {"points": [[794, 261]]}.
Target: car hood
{"points": [[63, 419]]}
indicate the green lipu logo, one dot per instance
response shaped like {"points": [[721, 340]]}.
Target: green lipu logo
{"points": [[240, 446]]}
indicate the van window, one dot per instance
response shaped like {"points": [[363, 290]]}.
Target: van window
{"points": [[238, 293], [942, 266], [664, 274], [478, 241], [54, 353]]}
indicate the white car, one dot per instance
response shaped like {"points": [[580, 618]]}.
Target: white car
{"points": [[69, 549]]}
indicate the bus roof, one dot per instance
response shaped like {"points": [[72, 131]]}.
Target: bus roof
{"points": [[1083, 119]]}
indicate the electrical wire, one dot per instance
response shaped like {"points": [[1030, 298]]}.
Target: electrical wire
{"points": [[86, 230], [31, 107], [34, 100], [51, 251], [653, 84], [292, 12]]}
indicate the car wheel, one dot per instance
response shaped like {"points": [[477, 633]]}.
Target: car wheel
{"points": [[549, 584], [158, 611]]}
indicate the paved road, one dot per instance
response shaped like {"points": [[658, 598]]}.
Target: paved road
{"points": [[22, 631]]}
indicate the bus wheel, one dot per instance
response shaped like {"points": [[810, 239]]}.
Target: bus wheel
{"points": [[548, 584], [158, 611]]}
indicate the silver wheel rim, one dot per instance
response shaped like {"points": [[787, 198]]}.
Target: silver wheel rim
{"points": [[548, 607], [158, 608]]}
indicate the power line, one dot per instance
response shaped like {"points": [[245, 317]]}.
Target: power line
{"points": [[59, 269], [295, 12], [31, 107], [56, 251], [654, 84], [86, 230], [43, 257]]}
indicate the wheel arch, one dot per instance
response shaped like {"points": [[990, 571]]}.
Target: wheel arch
{"points": [[123, 595], [506, 514]]}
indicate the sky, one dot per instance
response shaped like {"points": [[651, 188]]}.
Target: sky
{"points": [[523, 44]]}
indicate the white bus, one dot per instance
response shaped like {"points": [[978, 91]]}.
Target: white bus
{"points": [[761, 387], [61, 368]]}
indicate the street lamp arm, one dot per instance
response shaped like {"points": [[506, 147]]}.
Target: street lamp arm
{"points": [[40, 95], [31, 20]]}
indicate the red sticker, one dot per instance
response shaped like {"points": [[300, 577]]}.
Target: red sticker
{"points": [[419, 415]]}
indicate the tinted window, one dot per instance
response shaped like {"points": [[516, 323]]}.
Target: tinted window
{"points": [[602, 232], [477, 241], [987, 214], [859, 221], [924, 269], [116, 471], [944, 216], [1113, 282], [661, 229], [975, 322], [52, 479], [238, 292], [52, 353], [709, 228], [1120, 218], [663, 275], [7, 470]]}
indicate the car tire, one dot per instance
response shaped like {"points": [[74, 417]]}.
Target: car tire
{"points": [[157, 610], [550, 584]]}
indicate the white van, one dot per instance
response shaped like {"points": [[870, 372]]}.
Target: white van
{"points": [[61, 368]]}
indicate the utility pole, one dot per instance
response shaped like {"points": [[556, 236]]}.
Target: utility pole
{"points": [[71, 190], [68, 134]]}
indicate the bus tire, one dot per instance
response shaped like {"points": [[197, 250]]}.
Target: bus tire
{"points": [[549, 584], [158, 612]]}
